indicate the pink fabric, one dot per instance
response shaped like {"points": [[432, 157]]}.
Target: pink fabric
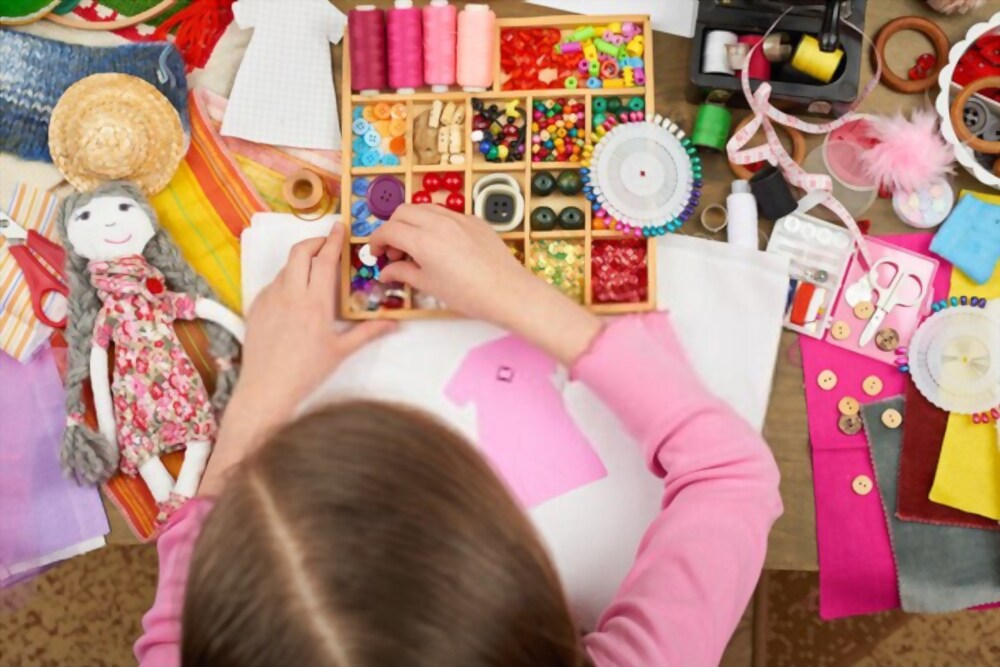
{"points": [[535, 446], [857, 573], [160, 400], [700, 560]]}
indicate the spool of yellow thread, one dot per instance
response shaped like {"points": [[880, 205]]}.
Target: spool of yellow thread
{"points": [[811, 61]]}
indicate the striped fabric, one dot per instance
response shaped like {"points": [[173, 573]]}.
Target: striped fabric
{"points": [[21, 333], [207, 205]]}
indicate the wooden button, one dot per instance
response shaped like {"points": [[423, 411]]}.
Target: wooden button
{"points": [[849, 406], [887, 339], [850, 424], [872, 385], [891, 418], [840, 330], [827, 380], [862, 485], [864, 310]]}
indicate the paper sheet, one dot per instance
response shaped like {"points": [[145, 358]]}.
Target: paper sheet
{"points": [[727, 304], [677, 17]]}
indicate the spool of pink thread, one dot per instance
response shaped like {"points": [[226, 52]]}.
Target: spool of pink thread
{"points": [[758, 66], [405, 32], [476, 40], [440, 44], [369, 70]]}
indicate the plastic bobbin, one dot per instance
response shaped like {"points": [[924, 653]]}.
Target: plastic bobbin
{"points": [[715, 57], [714, 218], [773, 194], [811, 61], [712, 126]]}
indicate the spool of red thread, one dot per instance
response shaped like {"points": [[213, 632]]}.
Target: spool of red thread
{"points": [[366, 29], [405, 32], [758, 66]]}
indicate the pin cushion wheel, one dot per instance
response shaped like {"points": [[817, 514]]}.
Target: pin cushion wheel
{"points": [[643, 176], [954, 359]]}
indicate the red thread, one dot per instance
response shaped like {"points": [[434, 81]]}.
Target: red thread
{"points": [[368, 51], [405, 32], [199, 27]]}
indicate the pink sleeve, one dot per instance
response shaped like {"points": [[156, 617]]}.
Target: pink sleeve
{"points": [[700, 559], [160, 644]]}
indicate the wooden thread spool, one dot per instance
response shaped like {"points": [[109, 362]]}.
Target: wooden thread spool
{"points": [[306, 195], [798, 148], [929, 30]]}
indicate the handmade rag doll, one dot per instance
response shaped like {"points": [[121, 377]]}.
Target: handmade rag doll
{"points": [[128, 284]]}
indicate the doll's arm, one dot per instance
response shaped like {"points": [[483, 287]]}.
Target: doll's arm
{"points": [[102, 393], [213, 311]]}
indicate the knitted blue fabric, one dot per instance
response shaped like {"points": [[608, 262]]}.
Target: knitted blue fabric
{"points": [[35, 72]]}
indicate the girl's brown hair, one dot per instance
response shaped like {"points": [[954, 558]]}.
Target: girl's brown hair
{"points": [[370, 534]]}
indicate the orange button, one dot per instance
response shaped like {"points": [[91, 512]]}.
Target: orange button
{"points": [[849, 406], [383, 111], [872, 385], [827, 380]]}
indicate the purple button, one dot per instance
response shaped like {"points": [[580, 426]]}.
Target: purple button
{"points": [[385, 194]]}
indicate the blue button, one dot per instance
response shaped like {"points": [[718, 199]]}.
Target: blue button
{"points": [[390, 160], [359, 187], [359, 112], [361, 126], [373, 138], [360, 210], [370, 157], [359, 145]]}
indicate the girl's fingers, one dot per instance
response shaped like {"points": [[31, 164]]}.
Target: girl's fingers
{"points": [[394, 234], [323, 277], [394, 254], [299, 266], [362, 334], [403, 271]]}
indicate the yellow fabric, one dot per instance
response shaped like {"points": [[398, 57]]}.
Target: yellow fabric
{"points": [[269, 183], [203, 238], [968, 472]]}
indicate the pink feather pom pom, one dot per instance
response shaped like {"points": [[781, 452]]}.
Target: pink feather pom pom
{"points": [[955, 6], [910, 153]]}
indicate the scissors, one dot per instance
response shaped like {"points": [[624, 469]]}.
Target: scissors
{"points": [[889, 296], [42, 263]]}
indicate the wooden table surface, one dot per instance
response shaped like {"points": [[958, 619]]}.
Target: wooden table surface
{"points": [[793, 540]]}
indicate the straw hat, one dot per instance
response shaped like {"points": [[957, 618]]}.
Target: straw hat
{"points": [[109, 127]]}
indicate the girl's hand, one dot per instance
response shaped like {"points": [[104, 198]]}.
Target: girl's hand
{"points": [[460, 260], [291, 347]]}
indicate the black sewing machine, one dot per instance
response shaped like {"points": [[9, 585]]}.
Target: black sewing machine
{"points": [[821, 19]]}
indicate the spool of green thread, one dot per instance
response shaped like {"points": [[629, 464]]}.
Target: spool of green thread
{"points": [[711, 127]]}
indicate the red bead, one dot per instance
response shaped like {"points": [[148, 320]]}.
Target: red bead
{"points": [[865, 226], [927, 62], [422, 197], [154, 285], [432, 182], [884, 192], [917, 73], [456, 202], [453, 181]]}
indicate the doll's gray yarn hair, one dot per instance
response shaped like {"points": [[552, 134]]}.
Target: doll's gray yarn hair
{"points": [[87, 454]]}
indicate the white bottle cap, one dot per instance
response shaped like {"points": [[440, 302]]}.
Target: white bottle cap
{"points": [[741, 187]]}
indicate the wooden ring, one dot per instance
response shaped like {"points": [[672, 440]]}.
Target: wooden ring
{"points": [[958, 111], [930, 30], [798, 148]]}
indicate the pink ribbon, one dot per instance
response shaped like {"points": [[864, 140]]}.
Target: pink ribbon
{"points": [[774, 153]]}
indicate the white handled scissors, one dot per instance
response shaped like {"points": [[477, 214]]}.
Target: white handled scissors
{"points": [[891, 295]]}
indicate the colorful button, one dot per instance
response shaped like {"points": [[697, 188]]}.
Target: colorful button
{"points": [[373, 138], [359, 187], [385, 194], [864, 310], [850, 424], [840, 331], [827, 380], [360, 127], [872, 385], [887, 339], [862, 485], [360, 210], [849, 406], [892, 418], [366, 256]]}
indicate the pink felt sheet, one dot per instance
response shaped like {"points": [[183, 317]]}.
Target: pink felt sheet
{"points": [[857, 571]]}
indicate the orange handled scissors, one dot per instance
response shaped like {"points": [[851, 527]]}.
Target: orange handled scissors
{"points": [[42, 263]]}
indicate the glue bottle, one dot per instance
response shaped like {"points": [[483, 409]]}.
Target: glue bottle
{"points": [[742, 208]]}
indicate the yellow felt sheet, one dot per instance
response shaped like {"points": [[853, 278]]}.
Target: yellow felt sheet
{"points": [[968, 472]]}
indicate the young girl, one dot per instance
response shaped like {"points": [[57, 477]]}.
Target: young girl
{"points": [[370, 534]]}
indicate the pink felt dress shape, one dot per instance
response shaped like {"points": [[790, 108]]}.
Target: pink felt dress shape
{"points": [[535, 446]]}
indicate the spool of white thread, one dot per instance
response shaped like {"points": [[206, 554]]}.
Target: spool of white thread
{"points": [[715, 57], [742, 208]]}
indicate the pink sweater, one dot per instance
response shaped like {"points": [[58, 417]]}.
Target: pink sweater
{"points": [[700, 559]]}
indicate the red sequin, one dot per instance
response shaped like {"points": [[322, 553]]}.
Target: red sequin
{"points": [[619, 272]]}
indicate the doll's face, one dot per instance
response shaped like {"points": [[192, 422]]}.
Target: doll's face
{"points": [[108, 228]]}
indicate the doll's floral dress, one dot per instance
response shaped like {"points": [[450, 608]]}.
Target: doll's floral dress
{"points": [[160, 401]]}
